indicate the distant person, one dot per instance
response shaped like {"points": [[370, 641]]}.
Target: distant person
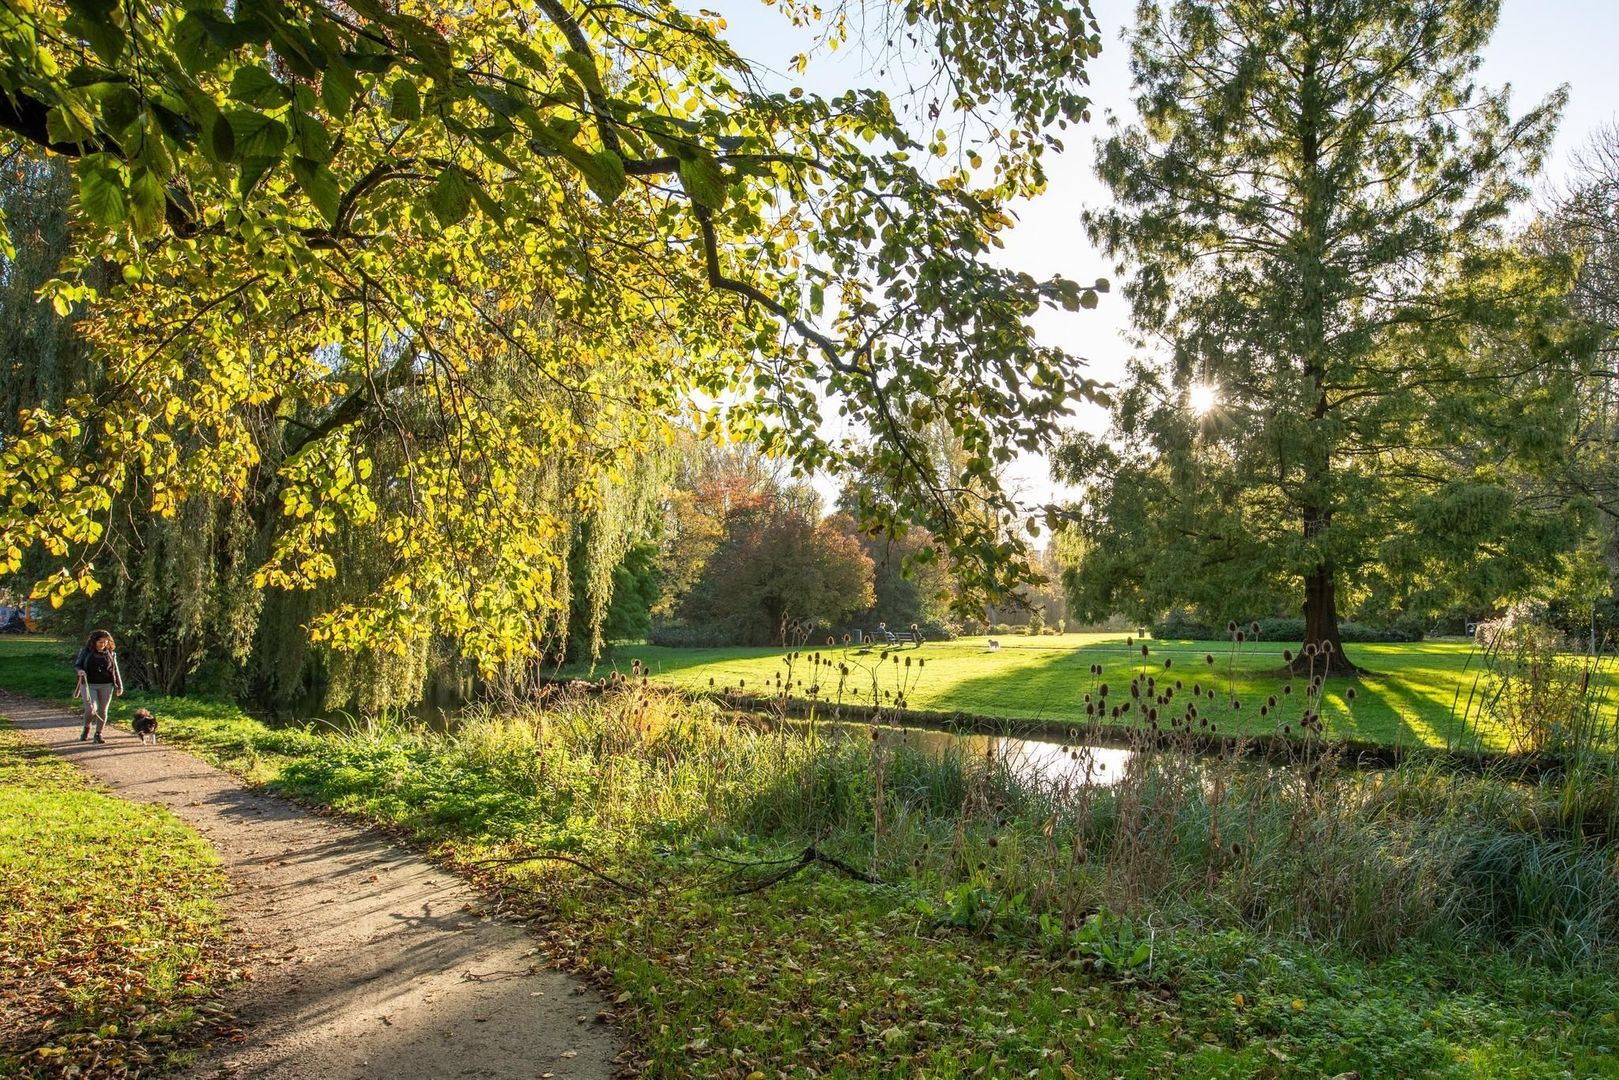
{"points": [[99, 680]]}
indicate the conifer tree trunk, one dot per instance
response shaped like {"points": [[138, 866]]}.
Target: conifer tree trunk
{"points": [[1321, 580], [1321, 617]]}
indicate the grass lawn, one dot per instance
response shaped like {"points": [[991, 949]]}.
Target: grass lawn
{"points": [[112, 943], [947, 971], [1427, 693]]}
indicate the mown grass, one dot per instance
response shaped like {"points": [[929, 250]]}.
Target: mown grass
{"points": [[1196, 919], [112, 944], [1411, 695]]}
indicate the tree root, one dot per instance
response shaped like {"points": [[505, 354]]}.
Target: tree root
{"points": [[811, 855], [633, 890], [789, 866]]}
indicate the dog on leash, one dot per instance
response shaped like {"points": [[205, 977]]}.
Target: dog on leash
{"points": [[145, 725]]}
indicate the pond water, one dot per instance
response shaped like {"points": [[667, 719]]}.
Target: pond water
{"points": [[1053, 762]]}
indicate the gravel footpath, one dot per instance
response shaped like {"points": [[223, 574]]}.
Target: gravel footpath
{"points": [[367, 960]]}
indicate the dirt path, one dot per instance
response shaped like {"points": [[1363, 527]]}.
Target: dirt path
{"points": [[371, 961]]}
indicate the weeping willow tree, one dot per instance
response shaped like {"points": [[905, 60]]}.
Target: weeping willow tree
{"points": [[592, 536], [41, 361], [471, 265], [179, 587], [184, 585]]}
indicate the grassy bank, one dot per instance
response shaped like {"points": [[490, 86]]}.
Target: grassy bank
{"points": [[1417, 694], [112, 947], [1188, 919]]}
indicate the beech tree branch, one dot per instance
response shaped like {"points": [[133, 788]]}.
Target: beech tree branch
{"points": [[889, 423]]}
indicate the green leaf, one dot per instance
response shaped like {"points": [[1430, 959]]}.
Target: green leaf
{"points": [[584, 67], [228, 34], [320, 185], [195, 47], [450, 198], [105, 37], [405, 102], [298, 51], [95, 10], [90, 75], [120, 105], [101, 196], [220, 144], [257, 87], [154, 154], [257, 135], [498, 101], [70, 121], [704, 181], [492, 150], [253, 169], [522, 52], [146, 200], [428, 45], [338, 88], [604, 172], [486, 203], [310, 137], [175, 124]]}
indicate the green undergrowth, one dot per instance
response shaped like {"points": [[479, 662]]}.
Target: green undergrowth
{"points": [[112, 945], [1187, 918]]}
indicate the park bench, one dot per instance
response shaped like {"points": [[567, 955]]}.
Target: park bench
{"points": [[884, 636]]}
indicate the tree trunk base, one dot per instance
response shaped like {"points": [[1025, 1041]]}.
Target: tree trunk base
{"points": [[1340, 666]]}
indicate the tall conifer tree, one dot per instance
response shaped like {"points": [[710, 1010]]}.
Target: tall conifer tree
{"points": [[1311, 204]]}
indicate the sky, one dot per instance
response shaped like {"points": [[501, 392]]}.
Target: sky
{"points": [[1538, 46]]}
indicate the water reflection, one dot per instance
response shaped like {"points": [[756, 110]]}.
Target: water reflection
{"points": [[1035, 759]]}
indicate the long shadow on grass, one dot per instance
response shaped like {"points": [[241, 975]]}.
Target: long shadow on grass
{"points": [[1387, 709]]}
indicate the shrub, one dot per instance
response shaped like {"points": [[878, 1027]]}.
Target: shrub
{"points": [[1179, 625], [1582, 621], [1536, 691], [684, 635]]}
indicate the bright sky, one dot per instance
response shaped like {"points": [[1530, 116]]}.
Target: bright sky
{"points": [[1539, 45]]}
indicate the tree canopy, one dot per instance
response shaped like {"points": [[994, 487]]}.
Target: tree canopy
{"points": [[1349, 370], [424, 286]]}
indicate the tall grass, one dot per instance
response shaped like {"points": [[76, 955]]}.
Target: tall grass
{"points": [[678, 792]]}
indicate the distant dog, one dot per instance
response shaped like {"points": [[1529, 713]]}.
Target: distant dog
{"points": [[145, 725]]}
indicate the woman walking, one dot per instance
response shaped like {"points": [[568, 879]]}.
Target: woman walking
{"points": [[99, 680]]}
